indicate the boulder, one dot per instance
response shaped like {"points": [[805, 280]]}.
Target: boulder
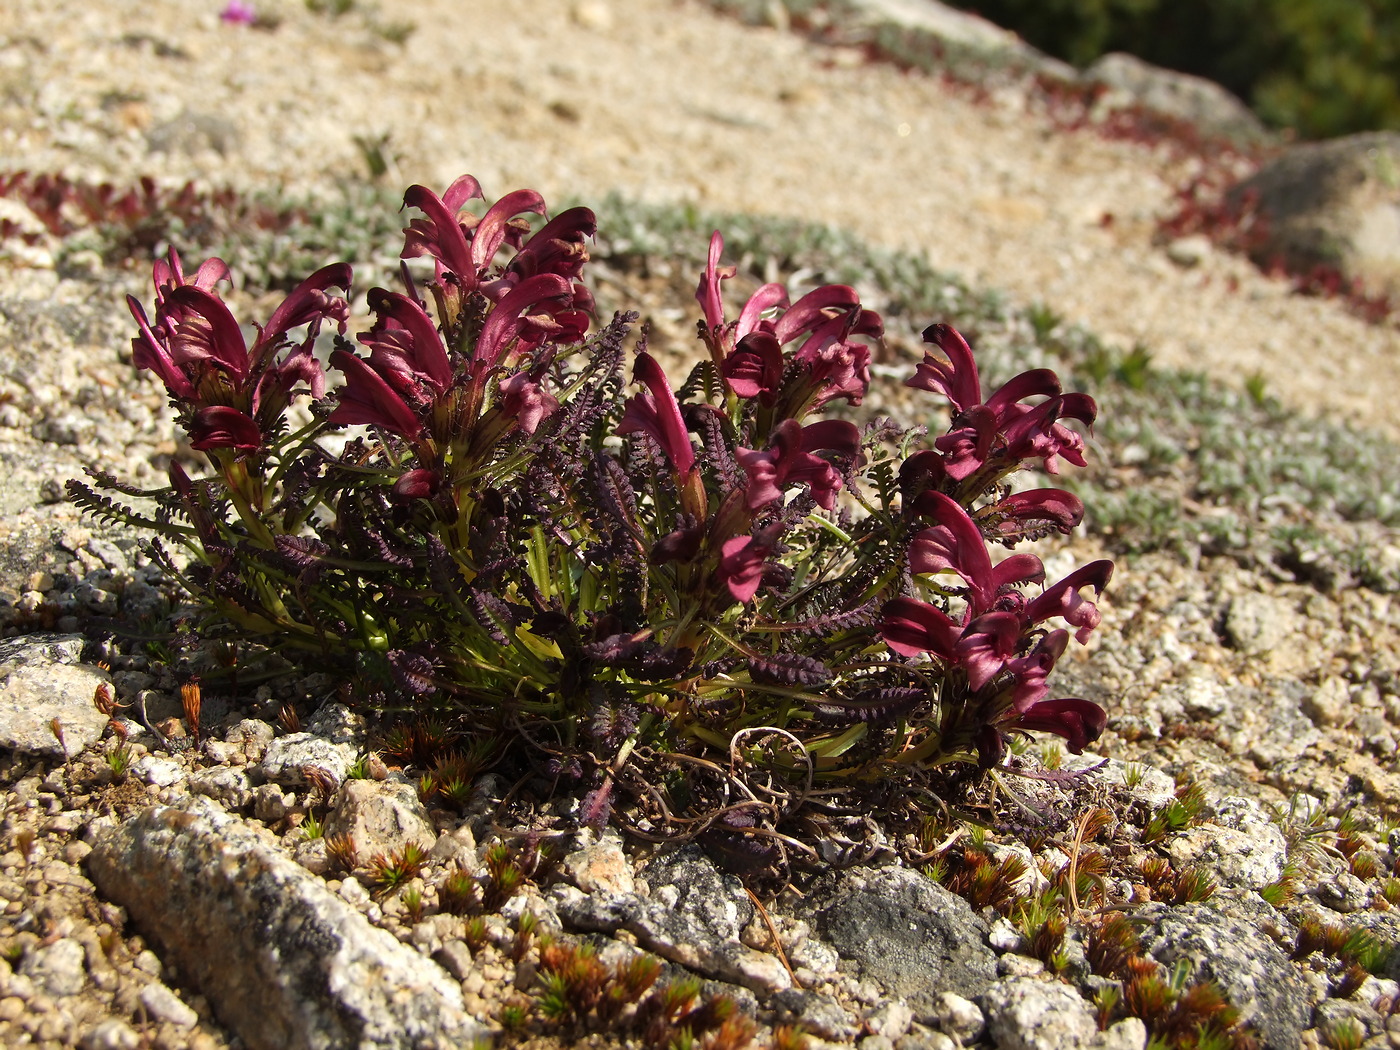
{"points": [[1332, 204], [1201, 102]]}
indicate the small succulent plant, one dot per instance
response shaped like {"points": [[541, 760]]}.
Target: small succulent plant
{"points": [[723, 587]]}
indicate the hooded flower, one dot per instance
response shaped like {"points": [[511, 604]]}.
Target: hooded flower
{"points": [[791, 460], [748, 352], [197, 348], [1080, 722], [743, 560], [656, 413], [1004, 428], [955, 544]]}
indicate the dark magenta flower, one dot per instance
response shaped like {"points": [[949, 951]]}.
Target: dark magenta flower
{"points": [[956, 544], [1063, 599], [791, 460], [656, 413], [367, 398], [419, 483], [911, 627], [1031, 515], [526, 401], [219, 426], [197, 348], [743, 560], [1003, 429], [405, 347], [238, 12], [748, 352], [533, 311], [1080, 722]]}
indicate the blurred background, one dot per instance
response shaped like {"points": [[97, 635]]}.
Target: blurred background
{"points": [[1320, 67]]}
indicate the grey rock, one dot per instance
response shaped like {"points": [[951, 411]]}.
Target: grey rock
{"points": [[1029, 1014], [193, 133], [960, 35], [687, 882], [270, 803], [57, 968], [819, 1014], [1193, 99], [1257, 623], [906, 932], [283, 761], [1250, 856], [1222, 941], [109, 1035], [41, 681], [228, 785], [959, 1017], [297, 967], [671, 934], [164, 1005], [338, 724], [601, 865], [921, 1038], [1333, 204], [455, 957], [381, 816], [890, 1019]]}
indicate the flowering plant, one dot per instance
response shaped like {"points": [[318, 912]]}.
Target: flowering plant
{"points": [[716, 599]]}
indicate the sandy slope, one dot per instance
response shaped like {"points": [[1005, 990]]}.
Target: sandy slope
{"points": [[664, 100]]}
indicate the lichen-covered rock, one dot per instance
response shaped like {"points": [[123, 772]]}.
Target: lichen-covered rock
{"points": [[1222, 940], [42, 683], [1201, 102], [1334, 204], [380, 817], [284, 962], [1030, 1014], [907, 933]]}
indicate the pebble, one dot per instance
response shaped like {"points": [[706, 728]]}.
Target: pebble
{"points": [[110, 1035], [164, 1005]]}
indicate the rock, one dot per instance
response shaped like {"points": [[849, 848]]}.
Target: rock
{"points": [[228, 786], [1333, 204], [891, 1019], [1249, 856], [672, 934], [1191, 251], [164, 1005], [57, 968], [906, 932], [338, 724], [42, 682], [381, 817], [601, 866], [1257, 623], [1029, 1014], [110, 1035], [687, 882], [958, 1017], [1222, 941], [960, 34], [297, 967], [283, 761], [819, 1014], [1195, 100]]}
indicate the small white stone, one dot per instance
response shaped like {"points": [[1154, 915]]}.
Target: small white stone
{"points": [[110, 1035], [164, 1005]]}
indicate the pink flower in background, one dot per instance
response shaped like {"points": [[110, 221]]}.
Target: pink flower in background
{"points": [[239, 12]]}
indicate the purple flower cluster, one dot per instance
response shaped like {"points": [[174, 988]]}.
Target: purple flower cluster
{"points": [[520, 532]]}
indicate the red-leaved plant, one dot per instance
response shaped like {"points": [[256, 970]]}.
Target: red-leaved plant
{"points": [[714, 599]]}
